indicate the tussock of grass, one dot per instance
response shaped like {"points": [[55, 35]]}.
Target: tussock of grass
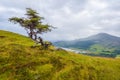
{"points": [[18, 61]]}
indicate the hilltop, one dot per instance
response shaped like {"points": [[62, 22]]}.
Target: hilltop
{"points": [[19, 61], [101, 44]]}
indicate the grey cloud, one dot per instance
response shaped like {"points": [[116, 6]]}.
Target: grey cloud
{"points": [[73, 18]]}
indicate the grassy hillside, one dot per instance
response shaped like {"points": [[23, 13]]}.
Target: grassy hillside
{"points": [[18, 61]]}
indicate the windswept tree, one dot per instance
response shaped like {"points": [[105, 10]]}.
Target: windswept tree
{"points": [[32, 24]]}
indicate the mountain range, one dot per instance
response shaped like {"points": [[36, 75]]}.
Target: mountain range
{"points": [[101, 44]]}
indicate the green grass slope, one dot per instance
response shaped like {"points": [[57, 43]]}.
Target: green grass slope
{"points": [[18, 61]]}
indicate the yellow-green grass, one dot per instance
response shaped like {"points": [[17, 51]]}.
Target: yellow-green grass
{"points": [[19, 61]]}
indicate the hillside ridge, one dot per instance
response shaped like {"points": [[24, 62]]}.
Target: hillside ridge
{"points": [[101, 44], [19, 61]]}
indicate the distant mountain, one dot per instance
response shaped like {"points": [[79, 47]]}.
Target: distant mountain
{"points": [[101, 43]]}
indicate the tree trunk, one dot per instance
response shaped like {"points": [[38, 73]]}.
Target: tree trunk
{"points": [[41, 41]]}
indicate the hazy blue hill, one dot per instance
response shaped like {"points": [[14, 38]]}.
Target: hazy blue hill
{"points": [[20, 61], [101, 38], [105, 39], [101, 43]]}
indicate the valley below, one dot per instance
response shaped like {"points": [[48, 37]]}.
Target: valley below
{"points": [[102, 44]]}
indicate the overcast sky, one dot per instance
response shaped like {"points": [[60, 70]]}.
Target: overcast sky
{"points": [[74, 19]]}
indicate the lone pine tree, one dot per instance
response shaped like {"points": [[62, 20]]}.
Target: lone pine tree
{"points": [[33, 25]]}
